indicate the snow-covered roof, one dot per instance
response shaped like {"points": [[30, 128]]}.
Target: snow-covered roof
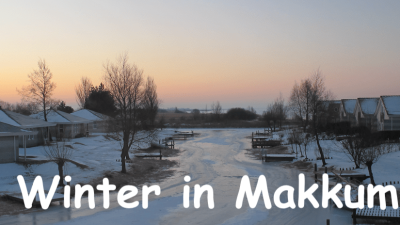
{"points": [[18, 120], [90, 115], [9, 130], [391, 104], [349, 105], [368, 105], [59, 117]]}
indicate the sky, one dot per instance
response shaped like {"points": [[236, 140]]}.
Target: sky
{"points": [[240, 53]]}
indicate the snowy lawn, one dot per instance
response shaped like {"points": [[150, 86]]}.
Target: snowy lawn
{"points": [[96, 152]]}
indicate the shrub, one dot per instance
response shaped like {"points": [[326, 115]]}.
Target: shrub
{"points": [[240, 114]]}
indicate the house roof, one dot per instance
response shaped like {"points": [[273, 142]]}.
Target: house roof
{"points": [[391, 103], [330, 103], [90, 115], [349, 105], [368, 105], [9, 130], [59, 117], [22, 121]]}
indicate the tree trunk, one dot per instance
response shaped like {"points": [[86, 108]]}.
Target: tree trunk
{"points": [[371, 176], [317, 139], [301, 153], [123, 162], [125, 152], [305, 151], [61, 173]]}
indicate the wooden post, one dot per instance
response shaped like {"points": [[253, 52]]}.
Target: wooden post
{"points": [[328, 222], [315, 167], [160, 154], [24, 144], [354, 216]]}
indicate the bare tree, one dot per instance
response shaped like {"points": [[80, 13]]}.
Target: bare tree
{"points": [[306, 140], [150, 101], [40, 89], [82, 91], [295, 102], [370, 156], [216, 110], [354, 148], [59, 154], [276, 111], [299, 139], [127, 86], [319, 94], [300, 101]]}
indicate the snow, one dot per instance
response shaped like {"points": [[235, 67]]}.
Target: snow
{"points": [[392, 104], [6, 119], [60, 117], [368, 105], [52, 117], [215, 157], [349, 105], [86, 114]]}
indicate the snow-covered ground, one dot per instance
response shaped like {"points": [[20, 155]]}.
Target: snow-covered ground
{"points": [[215, 157], [384, 170], [96, 152]]}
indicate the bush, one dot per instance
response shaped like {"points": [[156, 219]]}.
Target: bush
{"points": [[240, 114], [79, 135], [392, 135]]}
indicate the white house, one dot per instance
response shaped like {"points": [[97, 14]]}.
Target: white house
{"points": [[9, 142], [99, 120], [68, 126], [364, 112], [346, 111], [388, 113], [27, 123]]}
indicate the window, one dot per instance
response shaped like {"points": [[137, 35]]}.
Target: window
{"points": [[94, 125], [61, 128]]}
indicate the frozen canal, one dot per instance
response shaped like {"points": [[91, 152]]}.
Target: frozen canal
{"points": [[217, 158]]}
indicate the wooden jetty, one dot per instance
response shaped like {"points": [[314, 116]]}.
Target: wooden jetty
{"points": [[164, 142], [36, 202], [265, 132], [263, 142], [278, 157], [185, 133], [358, 176], [375, 213], [148, 155]]}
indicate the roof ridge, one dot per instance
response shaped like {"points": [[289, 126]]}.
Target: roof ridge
{"points": [[4, 111], [384, 106], [390, 95], [56, 111]]}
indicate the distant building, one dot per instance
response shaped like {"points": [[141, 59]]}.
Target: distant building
{"points": [[364, 112], [388, 113], [9, 142], [99, 120], [330, 111], [29, 124], [346, 111], [68, 126]]}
